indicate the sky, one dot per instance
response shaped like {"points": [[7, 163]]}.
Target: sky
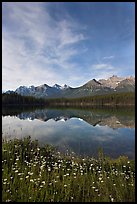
{"points": [[66, 42]]}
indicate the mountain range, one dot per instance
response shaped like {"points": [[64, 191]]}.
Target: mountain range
{"points": [[93, 87], [93, 118]]}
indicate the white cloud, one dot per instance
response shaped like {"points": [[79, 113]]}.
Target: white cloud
{"points": [[101, 66], [103, 71], [36, 48], [108, 57]]}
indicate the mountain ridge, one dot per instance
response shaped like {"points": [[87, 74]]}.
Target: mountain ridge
{"points": [[92, 87]]}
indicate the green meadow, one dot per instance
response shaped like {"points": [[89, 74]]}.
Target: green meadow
{"points": [[31, 173]]}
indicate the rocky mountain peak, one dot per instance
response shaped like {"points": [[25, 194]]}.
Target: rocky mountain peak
{"points": [[92, 87]]}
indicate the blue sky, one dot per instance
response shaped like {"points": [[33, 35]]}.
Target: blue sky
{"points": [[66, 42]]}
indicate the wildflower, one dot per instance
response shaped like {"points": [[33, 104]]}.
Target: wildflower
{"points": [[5, 179], [21, 178], [93, 187], [114, 184], [27, 176], [65, 185]]}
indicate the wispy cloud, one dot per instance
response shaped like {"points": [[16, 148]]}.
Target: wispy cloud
{"points": [[102, 66], [108, 57], [38, 47], [101, 70], [50, 43]]}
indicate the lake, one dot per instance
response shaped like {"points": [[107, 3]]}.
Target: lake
{"points": [[82, 131]]}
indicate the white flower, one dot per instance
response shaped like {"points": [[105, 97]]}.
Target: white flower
{"points": [[93, 187], [30, 173], [5, 179], [112, 199]]}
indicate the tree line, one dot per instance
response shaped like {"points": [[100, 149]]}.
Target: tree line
{"points": [[17, 99], [127, 98]]}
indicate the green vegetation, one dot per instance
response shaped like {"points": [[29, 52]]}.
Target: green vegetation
{"points": [[16, 99], [118, 99], [113, 99], [40, 174]]}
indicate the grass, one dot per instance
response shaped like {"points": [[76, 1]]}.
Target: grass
{"points": [[42, 174]]}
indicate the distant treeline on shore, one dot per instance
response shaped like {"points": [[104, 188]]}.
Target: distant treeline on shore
{"points": [[119, 99]]}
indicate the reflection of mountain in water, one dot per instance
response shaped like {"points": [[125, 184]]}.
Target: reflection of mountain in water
{"points": [[94, 118]]}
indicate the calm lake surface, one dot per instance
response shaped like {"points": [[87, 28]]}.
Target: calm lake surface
{"points": [[82, 131]]}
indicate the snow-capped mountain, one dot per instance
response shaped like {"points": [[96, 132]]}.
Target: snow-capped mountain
{"points": [[42, 90], [92, 87]]}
